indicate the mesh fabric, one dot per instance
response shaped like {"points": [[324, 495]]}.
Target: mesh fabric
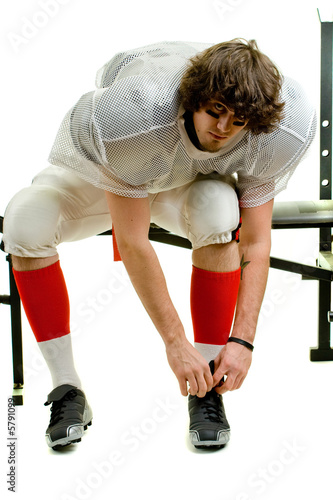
{"points": [[128, 135]]}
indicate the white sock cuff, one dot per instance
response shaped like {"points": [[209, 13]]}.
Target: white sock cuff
{"points": [[58, 355], [208, 351]]}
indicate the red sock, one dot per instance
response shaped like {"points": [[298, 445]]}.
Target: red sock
{"points": [[213, 303], [116, 254], [45, 300]]}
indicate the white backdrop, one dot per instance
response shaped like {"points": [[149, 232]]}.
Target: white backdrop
{"points": [[50, 52]]}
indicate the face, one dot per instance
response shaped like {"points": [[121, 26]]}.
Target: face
{"points": [[215, 125]]}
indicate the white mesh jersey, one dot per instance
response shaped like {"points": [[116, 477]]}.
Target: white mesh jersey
{"points": [[128, 135]]}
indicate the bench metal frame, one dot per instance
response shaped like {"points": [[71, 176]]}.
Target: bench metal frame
{"points": [[286, 215]]}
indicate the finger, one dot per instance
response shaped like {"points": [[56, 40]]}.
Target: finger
{"points": [[218, 376], [238, 382], [234, 385], [208, 380], [226, 386], [202, 386], [218, 387], [193, 389], [183, 387]]}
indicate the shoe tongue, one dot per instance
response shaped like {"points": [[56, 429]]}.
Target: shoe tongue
{"points": [[59, 392], [212, 369]]}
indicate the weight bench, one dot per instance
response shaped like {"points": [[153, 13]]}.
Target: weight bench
{"points": [[286, 215]]}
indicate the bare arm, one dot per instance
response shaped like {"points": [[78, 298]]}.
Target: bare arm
{"points": [[255, 245], [131, 220]]}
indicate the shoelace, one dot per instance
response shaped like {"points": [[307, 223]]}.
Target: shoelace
{"points": [[212, 408], [57, 408]]}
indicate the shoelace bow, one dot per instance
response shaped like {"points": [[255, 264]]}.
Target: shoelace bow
{"points": [[212, 409], [57, 406]]}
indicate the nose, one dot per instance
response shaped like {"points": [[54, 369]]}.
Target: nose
{"points": [[225, 121]]}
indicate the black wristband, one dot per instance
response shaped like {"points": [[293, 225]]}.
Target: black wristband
{"points": [[242, 342]]}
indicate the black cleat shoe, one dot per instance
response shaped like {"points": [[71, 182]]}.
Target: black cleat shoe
{"points": [[70, 416], [209, 427]]}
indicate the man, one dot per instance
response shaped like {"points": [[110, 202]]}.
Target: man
{"points": [[181, 135]]}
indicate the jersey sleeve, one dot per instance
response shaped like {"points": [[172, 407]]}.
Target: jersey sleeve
{"points": [[274, 157], [136, 111]]}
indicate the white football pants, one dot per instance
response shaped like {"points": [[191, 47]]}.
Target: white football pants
{"points": [[60, 207]]}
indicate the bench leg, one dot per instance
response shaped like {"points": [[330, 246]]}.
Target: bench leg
{"points": [[17, 350], [323, 352]]}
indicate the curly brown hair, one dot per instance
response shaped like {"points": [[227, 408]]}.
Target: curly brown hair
{"points": [[237, 74]]}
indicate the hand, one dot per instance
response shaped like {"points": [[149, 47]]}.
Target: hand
{"points": [[189, 366], [234, 361]]}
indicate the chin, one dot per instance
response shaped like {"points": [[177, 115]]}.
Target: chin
{"points": [[209, 148]]}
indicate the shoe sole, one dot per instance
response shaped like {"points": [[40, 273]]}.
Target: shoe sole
{"points": [[75, 433], [220, 442]]}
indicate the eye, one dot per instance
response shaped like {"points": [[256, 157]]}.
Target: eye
{"points": [[240, 121], [218, 106]]}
